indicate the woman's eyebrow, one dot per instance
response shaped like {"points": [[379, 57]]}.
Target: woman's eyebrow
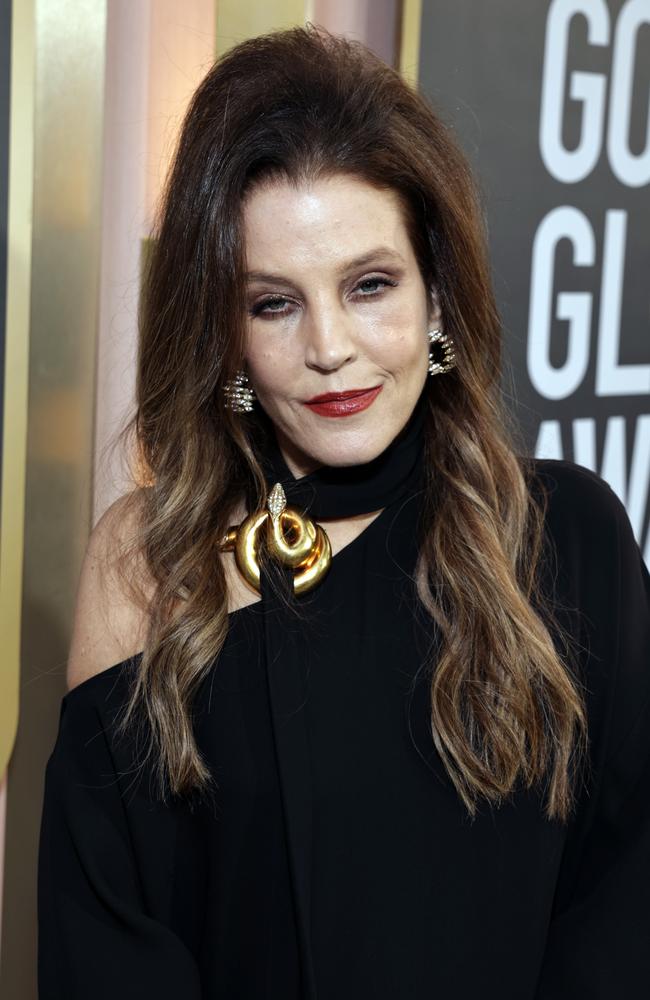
{"points": [[343, 268], [369, 257]]}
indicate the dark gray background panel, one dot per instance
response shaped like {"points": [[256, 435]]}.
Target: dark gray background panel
{"points": [[481, 64]]}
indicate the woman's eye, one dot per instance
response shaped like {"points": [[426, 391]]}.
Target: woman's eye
{"points": [[270, 307], [370, 286], [280, 306]]}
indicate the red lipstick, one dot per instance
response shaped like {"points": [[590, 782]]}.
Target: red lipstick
{"points": [[343, 404]]}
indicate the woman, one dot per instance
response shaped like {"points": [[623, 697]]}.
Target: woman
{"points": [[392, 740]]}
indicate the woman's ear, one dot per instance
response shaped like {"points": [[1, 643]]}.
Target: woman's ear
{"points": [[435, 313]]}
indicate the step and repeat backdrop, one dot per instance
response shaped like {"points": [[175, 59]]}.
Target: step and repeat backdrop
{"points": [[551, 102]]}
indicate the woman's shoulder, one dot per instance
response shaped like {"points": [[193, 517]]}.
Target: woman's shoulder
{"points": [[110, 617], [578, 501], [598, 570], [567, 483], [105, 686], [591, 540]]}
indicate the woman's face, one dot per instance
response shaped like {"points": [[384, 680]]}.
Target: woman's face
{"points": [[336, 306]]}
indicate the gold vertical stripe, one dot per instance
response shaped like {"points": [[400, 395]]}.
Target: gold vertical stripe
{"points": [[69, 42], [238, 20], [409, 58], [21, 158]]}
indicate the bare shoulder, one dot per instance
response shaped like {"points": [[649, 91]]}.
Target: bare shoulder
{"points": [[110, 620]]}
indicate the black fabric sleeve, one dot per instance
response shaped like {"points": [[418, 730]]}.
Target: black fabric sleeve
{"points": [[96, 938], [598, 944]]}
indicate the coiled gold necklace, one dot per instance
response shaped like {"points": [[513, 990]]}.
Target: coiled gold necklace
{"points": [[290, 537]]}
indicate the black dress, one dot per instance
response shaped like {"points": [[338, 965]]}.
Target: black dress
{"points": [[336, 860]]}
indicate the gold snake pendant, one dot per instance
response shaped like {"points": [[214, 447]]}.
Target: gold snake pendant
{"points": [[291, 537]]}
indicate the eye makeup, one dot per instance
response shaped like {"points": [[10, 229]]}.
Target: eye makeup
{"points": [[260, 308]]}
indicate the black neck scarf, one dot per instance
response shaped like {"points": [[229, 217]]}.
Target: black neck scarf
{"points": [[344, 491], [326, 493]]}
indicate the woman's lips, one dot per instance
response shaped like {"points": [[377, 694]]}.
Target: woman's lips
{"points": [[342, 404]]}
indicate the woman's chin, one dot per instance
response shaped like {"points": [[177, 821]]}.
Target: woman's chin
{"points": [[339, 454]]}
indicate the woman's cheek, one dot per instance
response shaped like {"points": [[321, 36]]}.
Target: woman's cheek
{"points": [[263, 363], [397, 323], [401, 349], [271, 375]]}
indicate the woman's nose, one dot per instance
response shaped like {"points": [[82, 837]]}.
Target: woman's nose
{"points": [[329, 340]]}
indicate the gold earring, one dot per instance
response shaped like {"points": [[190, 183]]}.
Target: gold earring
{"points": [[239, 395], [448, 360]]}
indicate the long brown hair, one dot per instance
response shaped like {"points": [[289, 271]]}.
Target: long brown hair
{"points": [[505, 706]]}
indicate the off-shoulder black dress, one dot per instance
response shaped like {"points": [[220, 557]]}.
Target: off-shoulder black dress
{"points": [[336, 860]]}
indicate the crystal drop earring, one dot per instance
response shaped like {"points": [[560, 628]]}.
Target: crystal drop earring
{"points": [[448, 360], [239, 395]]}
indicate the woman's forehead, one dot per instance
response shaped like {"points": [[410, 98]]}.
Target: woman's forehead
{"points": [[328, 219]]}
